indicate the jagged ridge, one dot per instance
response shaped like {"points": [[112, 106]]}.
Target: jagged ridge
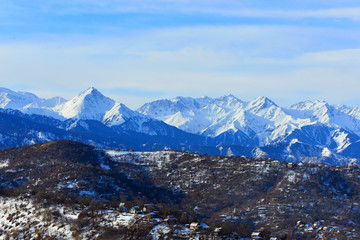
{"points": [[219, 125]]}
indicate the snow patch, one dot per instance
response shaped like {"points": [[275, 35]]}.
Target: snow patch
{"points": [[90, 193], [4, 163], [326, 152], [106, 167], [159, 230]]}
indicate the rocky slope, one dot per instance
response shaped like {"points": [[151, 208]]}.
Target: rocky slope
{"points": [[75, 190]]}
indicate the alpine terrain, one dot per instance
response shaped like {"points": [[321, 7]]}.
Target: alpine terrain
{"points": [[307, 131]]}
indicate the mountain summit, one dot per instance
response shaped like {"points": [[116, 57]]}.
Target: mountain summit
{"points": [[89, 104]]}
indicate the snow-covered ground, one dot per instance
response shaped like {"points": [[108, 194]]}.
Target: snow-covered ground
{"points": [[26, 219], [150, 159], [4, 164]]}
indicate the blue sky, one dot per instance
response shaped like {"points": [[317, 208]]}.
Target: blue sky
{"points": [[138, 51]]}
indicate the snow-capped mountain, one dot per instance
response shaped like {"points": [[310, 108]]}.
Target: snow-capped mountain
{"points": [[16, 100], [320, 111], [225, 125], [193, 115], [29, 103], [228, 120], [89, 105], [92, 105], [261, 120], [25, 100]]}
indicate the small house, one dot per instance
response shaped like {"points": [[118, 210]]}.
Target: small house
{"points": [[148, 208], [256, 236], [135, 210], [217, 231], [275, 163], [194, 226]]}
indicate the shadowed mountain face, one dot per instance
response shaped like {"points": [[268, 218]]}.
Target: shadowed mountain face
{"points": [[17, 129], [62, 169], [307, 131]]}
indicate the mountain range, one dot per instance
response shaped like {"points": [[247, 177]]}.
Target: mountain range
{"points": [[311, 131]]}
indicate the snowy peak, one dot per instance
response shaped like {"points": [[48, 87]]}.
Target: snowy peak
{"points": [[27, 102], [228, 102], [209, 116], [91, 91], [162, 109], [304, 105], [228, 98], [330, 115], [185, 103], [16, 100], [260, 103], [352, 111], [267, 114], [92, 105], [88, 105], [312, 106], [261, 119], [317, 107], [118, 114]]}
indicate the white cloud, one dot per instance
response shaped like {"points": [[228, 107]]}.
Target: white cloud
{"points": [[343, 57], [251, 9], [246, 61]]}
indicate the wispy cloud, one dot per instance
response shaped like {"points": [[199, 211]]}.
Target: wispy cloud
{"points": [[337, 13], [272, 61], [243, 9]]}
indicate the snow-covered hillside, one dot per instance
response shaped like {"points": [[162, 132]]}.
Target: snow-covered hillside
{"points": [[28, 219]]}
